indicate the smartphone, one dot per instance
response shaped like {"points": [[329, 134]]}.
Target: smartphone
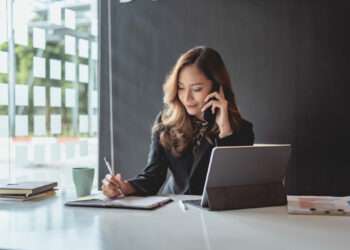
{"points": [[207, 114]]}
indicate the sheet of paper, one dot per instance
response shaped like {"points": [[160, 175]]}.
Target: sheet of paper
{"points": [[4, 94], [69, 19], [55, 13], [70, 98], [94, 99], [21, 95], [39, 67], [3, 21], [39, 154], [70, 150], [21, 33], [94, 50], [39, 125], [3, 62], [94, 124], [69, 71], [83, 73], [21, 154], [39, 96], [318, 205], [4, 126], [69, 45], [55, 151], [55, 124], [55, 97], [83, 147], [83, 48], [83, 123], [39, 38], [21, 125], [55, 69]]}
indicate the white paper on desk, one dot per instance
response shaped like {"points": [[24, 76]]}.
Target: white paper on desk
{"points": [[147, 202], [21, 125], [83, 48], [83, 123], [70, 98], [55, 97], [69, 71], [21, 154], [21, 95], [55, 69], [83, 73], [4, 94], [3, 62], [304, 204], [39, 125], [55, 124], [69, 45], [3, 21], [39, 154], [4, 126], [69, 19], [39, 38], [39, 96], [39, 67]]}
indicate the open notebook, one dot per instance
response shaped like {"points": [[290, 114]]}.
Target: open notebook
{"points": [[137, 202]]}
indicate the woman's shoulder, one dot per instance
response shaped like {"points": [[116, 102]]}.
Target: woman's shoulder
{"points": [[158, 118], [245, 125]]}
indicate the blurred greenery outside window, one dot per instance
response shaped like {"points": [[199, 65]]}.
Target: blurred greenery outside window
{"points": [[48, 89]]}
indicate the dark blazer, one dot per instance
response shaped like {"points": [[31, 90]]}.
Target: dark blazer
{"points": [[187, 174]]}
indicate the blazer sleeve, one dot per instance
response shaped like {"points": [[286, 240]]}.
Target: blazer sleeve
{"points": [[245, 136], [154, 174]]}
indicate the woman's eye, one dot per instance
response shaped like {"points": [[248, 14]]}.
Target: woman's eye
{"points": [[180, 88], [197, 90]]}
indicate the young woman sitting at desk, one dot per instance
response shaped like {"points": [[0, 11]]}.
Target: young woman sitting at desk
{"points": [[200, 113]]}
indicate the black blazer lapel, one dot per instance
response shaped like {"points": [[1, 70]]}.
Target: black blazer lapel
{"points": [[202, 150]]}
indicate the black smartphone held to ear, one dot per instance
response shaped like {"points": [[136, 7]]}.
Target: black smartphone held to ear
{"points": [[207, 114]]}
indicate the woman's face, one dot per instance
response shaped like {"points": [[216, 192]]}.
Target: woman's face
{"points": [[192, 88]]}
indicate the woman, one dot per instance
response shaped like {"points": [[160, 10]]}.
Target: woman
{"points": [[182, 139]]}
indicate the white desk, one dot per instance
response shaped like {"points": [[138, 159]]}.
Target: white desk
{"points": [[49, 224]]}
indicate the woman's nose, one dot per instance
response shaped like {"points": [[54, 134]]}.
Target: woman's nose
{"points": [[188, 95]]}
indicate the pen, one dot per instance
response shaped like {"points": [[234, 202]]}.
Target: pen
{"points": [[182, 205], [108, 166]]}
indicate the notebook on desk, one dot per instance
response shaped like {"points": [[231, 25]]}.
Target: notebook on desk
{"points": [[135, 202], [245, 177]]}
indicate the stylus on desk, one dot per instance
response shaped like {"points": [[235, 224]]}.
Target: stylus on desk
{"points": [[182, 205]]}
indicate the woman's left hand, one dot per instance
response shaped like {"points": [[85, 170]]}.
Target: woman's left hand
{"points": [[222, 118]]}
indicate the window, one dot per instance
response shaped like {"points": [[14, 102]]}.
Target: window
{"points": [[48, 89]]}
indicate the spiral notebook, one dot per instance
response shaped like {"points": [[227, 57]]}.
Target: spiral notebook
{"points": [[134, 202]]}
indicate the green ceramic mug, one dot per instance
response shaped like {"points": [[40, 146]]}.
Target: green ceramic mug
{"points": [[83, 178]]}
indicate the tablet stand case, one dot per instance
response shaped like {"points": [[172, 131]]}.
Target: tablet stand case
{"points": [[246, 196]]}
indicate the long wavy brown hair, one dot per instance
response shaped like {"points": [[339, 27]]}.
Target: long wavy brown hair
{"points": [[175, 129]]}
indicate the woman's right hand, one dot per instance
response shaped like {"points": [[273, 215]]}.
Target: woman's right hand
{"points": [[114, 186]]}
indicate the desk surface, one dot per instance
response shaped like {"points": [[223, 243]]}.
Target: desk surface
{"points": [[48, 224]]}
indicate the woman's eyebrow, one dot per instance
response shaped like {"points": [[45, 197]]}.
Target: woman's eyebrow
{"points": [[192, 84]]}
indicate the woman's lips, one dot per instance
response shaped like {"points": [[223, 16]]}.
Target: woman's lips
{"points": [[191, 106]]}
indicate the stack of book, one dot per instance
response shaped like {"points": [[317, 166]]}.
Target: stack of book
{"points": [[28, 190]]}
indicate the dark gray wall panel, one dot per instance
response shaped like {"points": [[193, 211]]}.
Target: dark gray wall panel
{"points": [[288, 62]]}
